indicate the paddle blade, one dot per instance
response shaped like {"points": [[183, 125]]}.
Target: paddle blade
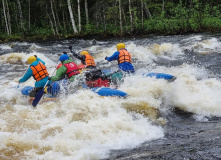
{"points": [[38, 98]]}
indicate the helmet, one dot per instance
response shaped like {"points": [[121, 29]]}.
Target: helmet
{"points": [[31, 59], [120, 46], [64, 57], [84, 53]]}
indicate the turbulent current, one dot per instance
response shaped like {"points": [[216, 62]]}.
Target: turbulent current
{"points": [[158, 120]]}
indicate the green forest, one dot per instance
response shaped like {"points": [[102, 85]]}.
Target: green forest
{"points": [[54, 19]]}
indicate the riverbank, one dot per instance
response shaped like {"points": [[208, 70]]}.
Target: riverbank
{"points": [[157, 26], [111, 21], [162, 27], [140, 34]]}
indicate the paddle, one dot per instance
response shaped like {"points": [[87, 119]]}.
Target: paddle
{"points": [[41, 92]]}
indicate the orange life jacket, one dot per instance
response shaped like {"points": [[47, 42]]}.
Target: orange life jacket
{"points": [[124, 56], [39, 71], [89, 60], [72, 69]]}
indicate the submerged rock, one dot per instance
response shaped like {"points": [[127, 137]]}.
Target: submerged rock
{"points": [[143, 108]]}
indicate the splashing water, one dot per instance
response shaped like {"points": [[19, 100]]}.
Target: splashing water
{"points": [[84, 125]]}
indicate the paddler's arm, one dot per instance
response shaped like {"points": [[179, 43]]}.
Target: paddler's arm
{"points": [[59, 73], [27, 75], [115, 56], [78, 56]]}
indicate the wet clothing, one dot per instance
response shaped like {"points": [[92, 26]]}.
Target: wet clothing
{"points": [[63, 70], [31, 72], [124, 60], [85, 60]]}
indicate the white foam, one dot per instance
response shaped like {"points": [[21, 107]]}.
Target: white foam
{"points": [[5, 47], [147, 53], [84, 125], [207, 46], [13, 58]]}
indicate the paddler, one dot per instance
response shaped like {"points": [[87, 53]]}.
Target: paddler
{"points": [[38, 70], [124, 61], [123, 57], [65, 74], [91, 72], [85, 58], [68, 68]]}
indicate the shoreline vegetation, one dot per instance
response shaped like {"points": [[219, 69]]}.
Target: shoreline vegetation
{"points": [[29, 20]]}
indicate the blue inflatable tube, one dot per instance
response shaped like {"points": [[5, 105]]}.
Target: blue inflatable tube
{"points": [[53, 89], [25, 91], [103, 91], [152, 74], [99, 90], [160, 76]]}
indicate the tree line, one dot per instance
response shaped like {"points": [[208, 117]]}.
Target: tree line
{"points": [[65, 18]]}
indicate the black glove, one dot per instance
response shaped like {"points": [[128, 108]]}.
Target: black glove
{"points": [[35, 56], [70, 47], [64, 52], [105, 58], [49, 78]]}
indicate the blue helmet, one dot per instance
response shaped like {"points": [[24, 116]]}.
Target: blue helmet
{"points": [[64, 57]]}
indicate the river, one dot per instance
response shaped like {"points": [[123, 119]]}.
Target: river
{"points": [[158, 120]]}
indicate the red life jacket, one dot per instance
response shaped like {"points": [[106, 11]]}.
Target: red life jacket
{"points": [[72, 69]]}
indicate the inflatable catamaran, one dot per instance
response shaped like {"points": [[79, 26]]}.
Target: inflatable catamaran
{"points": [[99, 86]]}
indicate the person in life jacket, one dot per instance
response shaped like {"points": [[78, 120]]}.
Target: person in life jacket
{"points": [[123, 57], [38, 70], [68, 68], [85, 57], [91, 73]]}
